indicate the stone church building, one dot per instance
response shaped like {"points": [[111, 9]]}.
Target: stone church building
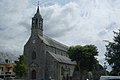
{"points": [[45, 58]]}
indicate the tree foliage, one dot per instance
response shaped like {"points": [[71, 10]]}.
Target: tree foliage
{"points": [[113, 53], [84, 56], [20, 67]]}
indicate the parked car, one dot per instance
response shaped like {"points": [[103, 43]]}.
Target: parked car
{"points": [[12, 78], [9, 78], [110, 78], [1, 79]]}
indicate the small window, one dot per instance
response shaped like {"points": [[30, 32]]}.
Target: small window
{"points": [[2, 68], [33, 55], [8, 69]]}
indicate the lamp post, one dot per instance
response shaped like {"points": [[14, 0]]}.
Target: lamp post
{"points": [[90, 75], [50, 78], [105, 67]]}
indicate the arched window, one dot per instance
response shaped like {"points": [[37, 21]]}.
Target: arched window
{"points": [[40, 23], [62, 71], [36, 22], [33, 74], [33, 55], [33, 23]]}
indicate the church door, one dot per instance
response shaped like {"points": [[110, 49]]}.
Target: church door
{"points": [[33, 76]]}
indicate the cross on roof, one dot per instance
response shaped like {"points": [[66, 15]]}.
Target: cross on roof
{"points": [[38, 3]]}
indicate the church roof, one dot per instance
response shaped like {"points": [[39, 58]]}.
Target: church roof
{"points": [[50, 42], [62, 59]]}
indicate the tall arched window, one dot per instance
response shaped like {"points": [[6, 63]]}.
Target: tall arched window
{"points": [[33, 55], [36, 22], [33, 74]]}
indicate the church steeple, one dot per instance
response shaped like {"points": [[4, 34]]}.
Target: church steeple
{"points": [[38, 13], [38, 9], [37, 23]]}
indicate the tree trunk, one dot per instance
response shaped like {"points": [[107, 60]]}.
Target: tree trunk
{"points": [[81, 74], [78, 66], [80, 71]]}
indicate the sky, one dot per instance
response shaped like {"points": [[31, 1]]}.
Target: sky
{"points": [[71, 22]]}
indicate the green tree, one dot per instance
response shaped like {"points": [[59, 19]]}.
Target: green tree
{"points": [[20, 67], [113, 53], [84, 57]]}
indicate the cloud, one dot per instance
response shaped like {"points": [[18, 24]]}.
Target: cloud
{"points": [[69, 21], [86, 22], [60, 19], [11, 33]]}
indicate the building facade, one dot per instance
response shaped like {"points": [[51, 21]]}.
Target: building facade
{"points": [[45, 58], [6, 69]]}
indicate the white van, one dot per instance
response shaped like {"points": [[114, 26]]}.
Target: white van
{"points": [[110, 78]]}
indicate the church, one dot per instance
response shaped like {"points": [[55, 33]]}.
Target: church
{"points": [[45, 58]]}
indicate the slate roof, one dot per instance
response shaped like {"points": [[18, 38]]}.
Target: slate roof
{"points": [[50, 42], [62, 59]]}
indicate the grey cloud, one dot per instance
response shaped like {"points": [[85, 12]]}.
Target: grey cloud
{"points": [[11, 13], [2, 28], [25, 24], [114, 3], [58, 23], [91, 23], [112, 26], [73, 22], [102, 33], [58, 33], [52, 2]]}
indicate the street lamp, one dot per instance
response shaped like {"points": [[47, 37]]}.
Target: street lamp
{"points": [[105, 67]]}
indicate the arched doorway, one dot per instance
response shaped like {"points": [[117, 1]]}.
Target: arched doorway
{"points": [[33, 75]]}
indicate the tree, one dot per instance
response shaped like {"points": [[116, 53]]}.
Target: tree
{"points": [[20, 67], [113, 53], [84, 57]]}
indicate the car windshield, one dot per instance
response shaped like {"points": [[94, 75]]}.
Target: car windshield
{"points": [[112, 79]]}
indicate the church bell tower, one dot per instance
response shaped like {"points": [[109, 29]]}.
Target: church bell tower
{"points": [[34, 50], [37, 24]]}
